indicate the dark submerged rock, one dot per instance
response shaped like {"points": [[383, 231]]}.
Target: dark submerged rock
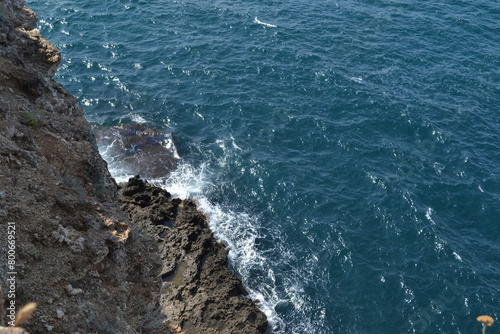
{"points": [[138, 149]]}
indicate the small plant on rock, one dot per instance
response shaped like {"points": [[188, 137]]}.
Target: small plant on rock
{"points": [[31, 120]]}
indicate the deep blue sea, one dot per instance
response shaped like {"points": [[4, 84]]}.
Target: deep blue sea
{"points": [[348, 152]]}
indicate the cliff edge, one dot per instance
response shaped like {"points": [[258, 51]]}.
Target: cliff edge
{"points": [[66, 241]]}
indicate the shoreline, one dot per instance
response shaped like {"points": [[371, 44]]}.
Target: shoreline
{"points": [[91, 266]]}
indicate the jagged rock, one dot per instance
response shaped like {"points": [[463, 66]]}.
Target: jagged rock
{"points": [[207, 296]]}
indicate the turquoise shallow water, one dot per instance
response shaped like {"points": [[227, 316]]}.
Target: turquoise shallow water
{"points": [[346, 151]]}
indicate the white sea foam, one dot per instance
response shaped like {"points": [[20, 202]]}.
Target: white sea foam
{"points": [[135, 118], [256, 20], [428, 215], [238, 230], [168, 143], [241, 232], [235, 146], [458, 257], [356, 79]]}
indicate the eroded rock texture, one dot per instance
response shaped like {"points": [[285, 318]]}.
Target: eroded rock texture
{"points": [[78, 257], [198, 290]]}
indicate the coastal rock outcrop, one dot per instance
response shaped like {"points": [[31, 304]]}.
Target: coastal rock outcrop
{"points": [[197, 289], [89, 267]]}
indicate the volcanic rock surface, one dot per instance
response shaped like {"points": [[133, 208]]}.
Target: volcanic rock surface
{"points": [[197, 288]]}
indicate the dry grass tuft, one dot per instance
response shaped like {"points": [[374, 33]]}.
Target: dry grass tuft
{"points": [[25, 312], [486, 320]]}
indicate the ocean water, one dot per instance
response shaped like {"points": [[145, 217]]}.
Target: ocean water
{"points": [[348, 152]]}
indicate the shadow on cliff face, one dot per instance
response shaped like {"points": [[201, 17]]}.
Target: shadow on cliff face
{"points": [[132, 149]]}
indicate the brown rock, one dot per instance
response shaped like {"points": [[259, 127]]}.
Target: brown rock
{"points": [[57, 193], [199, 293]]}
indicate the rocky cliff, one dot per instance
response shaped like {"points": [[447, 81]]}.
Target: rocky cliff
{"points": [[94, 262]]}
